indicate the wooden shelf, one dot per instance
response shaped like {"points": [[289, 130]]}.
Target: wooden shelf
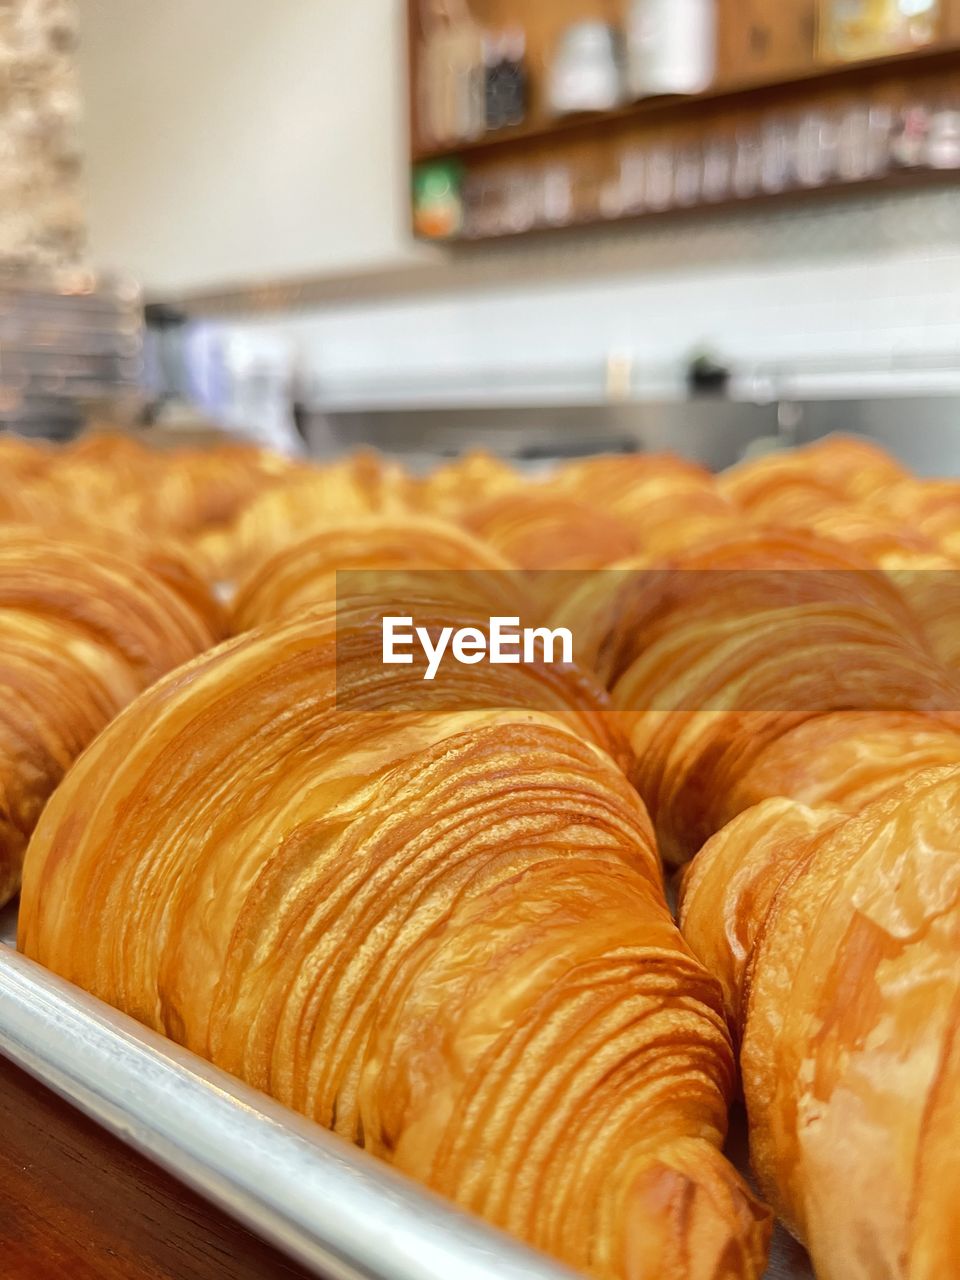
{"points": [[768, 81], [791, 197], [757, 91]]}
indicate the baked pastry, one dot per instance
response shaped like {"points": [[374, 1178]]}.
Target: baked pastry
{"points": [[428, 917], [539, 530], [81, 633], [717, 659], [455, 487], [930, 507], [837, 941], [665, 502], [109, 485], [384, 556], [311, 500], [844, 760], [839, 467]]}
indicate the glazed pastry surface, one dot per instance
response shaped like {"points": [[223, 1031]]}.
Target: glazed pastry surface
{"points": [[434, 923]]}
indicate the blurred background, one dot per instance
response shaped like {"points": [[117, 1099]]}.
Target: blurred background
{"points": [[546, 227]]}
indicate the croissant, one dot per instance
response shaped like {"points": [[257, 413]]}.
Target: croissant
{"points": [[107, 485], [381, 555], [428, 917], [627, 484], [931, 507], [883, 528], [199, 495], [843, 760], [538, 530], [839, 467], [837, 942], [455, 487], [81, 633], [311, 500], [666, 503], [715, 661]]}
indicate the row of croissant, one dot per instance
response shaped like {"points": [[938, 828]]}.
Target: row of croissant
{"points": [[229, 505], [438, 924]]}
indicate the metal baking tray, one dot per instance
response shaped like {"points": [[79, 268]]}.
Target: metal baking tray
{"points": [[308, 1192]]}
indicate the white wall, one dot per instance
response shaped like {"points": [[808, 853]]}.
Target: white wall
{"points": [[230, 141]]}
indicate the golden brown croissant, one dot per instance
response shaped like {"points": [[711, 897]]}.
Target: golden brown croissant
{"points": [[539, 530], [454, 488], [311, 500], [666, 503], [107, 485], [930, 507], [883, 525], [382, 550], [843, 760], [81, 633], [838, 467], [429, 917], [717, 659], [628, 484], [837, 941]]}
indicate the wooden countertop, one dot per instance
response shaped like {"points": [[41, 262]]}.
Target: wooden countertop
{"points": [[76, 1204]]}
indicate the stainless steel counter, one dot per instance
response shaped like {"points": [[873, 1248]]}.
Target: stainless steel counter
{"points": [[922, 431]]}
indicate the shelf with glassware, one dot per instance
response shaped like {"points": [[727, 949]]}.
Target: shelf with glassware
{"points": [[526, 118]]}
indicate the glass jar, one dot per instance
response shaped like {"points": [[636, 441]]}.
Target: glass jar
{"points": [[856, 29]]}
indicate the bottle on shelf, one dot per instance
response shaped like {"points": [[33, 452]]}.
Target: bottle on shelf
{"points": [[505, 79], [451, 76]]}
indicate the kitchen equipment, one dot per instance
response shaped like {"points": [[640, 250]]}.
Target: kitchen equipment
{"points": [[68, 343], [909, 144], [688, 177], [747, 164], [319, 1199], [633, 185]]}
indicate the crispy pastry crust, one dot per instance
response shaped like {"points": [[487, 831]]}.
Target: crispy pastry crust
{"points": [[440, 932]]}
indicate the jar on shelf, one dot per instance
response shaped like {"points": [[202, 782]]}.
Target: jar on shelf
{"points": [[587, 72], [850, 30], [671, 46]]}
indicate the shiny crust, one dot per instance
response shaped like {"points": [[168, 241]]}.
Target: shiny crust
{"points": [[81, 633], [440, 932], [458, 486], [309, 501], [382, 550], [443, 933], [716, 660], [836, 939], [666, 503], [107, 487], [538, 530]]}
